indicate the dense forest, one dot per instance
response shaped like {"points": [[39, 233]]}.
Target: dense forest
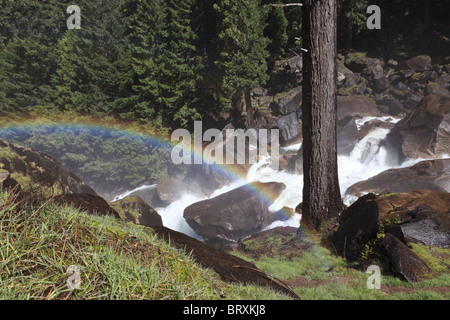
{"points": [[164, 64]]}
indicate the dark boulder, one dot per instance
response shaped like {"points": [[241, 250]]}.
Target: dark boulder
{"points": [[358, 224], [403, 261], [236, 214]]}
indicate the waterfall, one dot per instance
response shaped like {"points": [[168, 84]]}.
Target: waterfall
{"points": [[368, 158]]}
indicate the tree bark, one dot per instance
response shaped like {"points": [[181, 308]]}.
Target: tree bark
{"points": [[321, 192], [249, 109]]}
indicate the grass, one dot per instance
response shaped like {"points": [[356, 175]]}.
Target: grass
{"points": [[43, 246], [318, 274]]}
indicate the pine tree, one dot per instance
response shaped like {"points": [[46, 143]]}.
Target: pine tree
{"points": [[242, 49]]}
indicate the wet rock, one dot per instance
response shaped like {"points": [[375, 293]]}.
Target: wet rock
{"points": [[236, 214]]}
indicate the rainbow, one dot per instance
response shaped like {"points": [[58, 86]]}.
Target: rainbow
{"points": [[26, 129]]}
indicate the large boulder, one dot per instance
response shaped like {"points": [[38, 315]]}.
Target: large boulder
{"points": [[425, 132], [428, 174], [421, 216], [236, 214], [380, 228], [358, 224]]}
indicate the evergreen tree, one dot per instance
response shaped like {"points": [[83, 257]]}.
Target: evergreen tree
{"points": [[242, 48], [275, 29]]}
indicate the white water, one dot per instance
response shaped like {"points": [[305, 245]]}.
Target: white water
{"points": [[366, 160], [127, 193]]}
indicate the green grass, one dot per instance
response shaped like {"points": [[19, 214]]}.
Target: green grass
{"points": [[318, 274], [116, 260]]}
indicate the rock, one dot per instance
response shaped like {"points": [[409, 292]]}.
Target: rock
{"points": [[429, 174], [296, 63], [89, 203], [425, 132], [6, 182], [371, 125], [374, 73], [419, 63], [146, 193], [436, 88], [347, 135], [295, 163], [356, 106], [134, 209], [289, 103], [289, 130], [377, 227], [229, 267], [427, 226], [236, 214], [358, 61], [36, 168], [280, 241], [358, 224], [403, 261]]}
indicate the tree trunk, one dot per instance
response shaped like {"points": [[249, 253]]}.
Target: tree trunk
{"points": [[321, 192], [249, 109]]}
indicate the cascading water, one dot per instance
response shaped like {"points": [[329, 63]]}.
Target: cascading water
{"points": [[368, 158]]}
